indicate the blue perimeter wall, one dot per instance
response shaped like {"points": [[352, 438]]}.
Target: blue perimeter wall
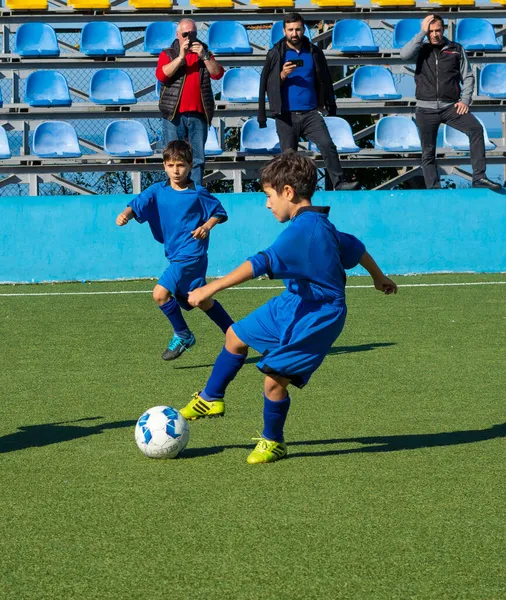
{"points": [[61, 238]]}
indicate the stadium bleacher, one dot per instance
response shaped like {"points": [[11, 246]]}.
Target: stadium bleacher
{"points": [[341, 134], [47, 88], [259, 141], [112, 86], [228, 37], [374, 83], [397, 134], [240, 85], [127, 138], [111, 46], [102, 38], [493, 81], [56, 139], [459, 141]]}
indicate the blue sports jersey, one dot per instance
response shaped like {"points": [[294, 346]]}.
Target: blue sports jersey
{"points": [[311, 256], [299, 89], [173, 215]]}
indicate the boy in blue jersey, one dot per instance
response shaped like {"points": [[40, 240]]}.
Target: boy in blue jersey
{"points": [[180, 215], [295, 330]]}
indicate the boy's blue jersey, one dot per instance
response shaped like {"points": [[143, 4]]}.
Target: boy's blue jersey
{"points": [[173, 215], [311, 256]]}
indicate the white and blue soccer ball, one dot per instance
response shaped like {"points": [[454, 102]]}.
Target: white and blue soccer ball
{"points": [[162, 432]]}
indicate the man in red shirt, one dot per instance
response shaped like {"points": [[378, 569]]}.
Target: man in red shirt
{"points": [[186, 98]]}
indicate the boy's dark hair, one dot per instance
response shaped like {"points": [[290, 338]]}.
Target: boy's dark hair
{"points": [[178, 150], [437, 18], [291, 169], [293, 18]]}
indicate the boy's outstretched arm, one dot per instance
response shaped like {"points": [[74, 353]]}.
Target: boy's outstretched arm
{"points": [[381, 281], [125, 216], [243, 273]]}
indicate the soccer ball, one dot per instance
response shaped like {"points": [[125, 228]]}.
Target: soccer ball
{"points": [[162, 432]]}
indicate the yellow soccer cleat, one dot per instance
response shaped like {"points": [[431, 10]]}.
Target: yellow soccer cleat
{"points": [[198, 408], [267, 451]]}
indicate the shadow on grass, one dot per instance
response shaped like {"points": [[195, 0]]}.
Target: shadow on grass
{"points": [[332, 351], [36, 436], [386, 443]]}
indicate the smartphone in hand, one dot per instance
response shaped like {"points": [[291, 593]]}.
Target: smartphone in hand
{"points": [[297, 62]]}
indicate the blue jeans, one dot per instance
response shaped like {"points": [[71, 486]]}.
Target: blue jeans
{"points": [[191, 126]]}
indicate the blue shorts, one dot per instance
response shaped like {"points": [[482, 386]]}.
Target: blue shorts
{"points": [[294, 335], [183, 277]]}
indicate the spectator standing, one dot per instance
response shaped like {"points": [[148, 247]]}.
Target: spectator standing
{"points": [[186, 100], [444, 89], [298, 84]]}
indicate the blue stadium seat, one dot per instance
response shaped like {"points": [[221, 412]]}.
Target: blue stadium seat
{"points": [[159, 35], [353, 35], [493, 81], [5, 151], [56, 139], [112, 86], [36, 39], [101, 38], [374, 83], [397, 134], [1, 99], [127, 138], [228, 37], [277, 33], [460, 141], [405, 30], [240, 85], [47, 88], [212, 147], [341, 134], [259, 141], [477, 34]]}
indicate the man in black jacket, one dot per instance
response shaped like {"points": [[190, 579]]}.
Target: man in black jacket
{"points": [[441, 67], [298, 84]]}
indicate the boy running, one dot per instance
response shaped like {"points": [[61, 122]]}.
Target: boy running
{"points": [[181, 216]]}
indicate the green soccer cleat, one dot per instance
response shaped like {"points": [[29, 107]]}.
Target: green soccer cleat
{"points": [[267, 451], [198, 408]]}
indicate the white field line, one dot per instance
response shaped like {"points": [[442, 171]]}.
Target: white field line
{"points": [[262, 287]]}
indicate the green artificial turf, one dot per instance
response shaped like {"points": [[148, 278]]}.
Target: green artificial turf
{"points": [[394, 487]]}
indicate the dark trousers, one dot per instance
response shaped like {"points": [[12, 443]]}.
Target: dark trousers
{"points": [[428, 121], [311, 125]]}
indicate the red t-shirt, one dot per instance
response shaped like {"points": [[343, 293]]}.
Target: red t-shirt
{"points": [[191, 97]]}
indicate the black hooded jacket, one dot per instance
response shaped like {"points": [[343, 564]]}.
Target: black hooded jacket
{"points": [[170, 93], [270, 81]]}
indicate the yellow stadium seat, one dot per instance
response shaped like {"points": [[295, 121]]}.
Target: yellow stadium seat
{"points": [[393, 3], [453, 2], [503, 2], [273, 3], [143, 4], [212, 3], [89, 4], [333, 3], [26, 4]]}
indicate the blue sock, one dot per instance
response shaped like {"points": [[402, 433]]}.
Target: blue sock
{"points": [[220, 316], [274, 418], [172, 311], [225, 368]]}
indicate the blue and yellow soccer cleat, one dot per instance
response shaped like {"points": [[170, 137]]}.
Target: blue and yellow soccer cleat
{"points": [[198, 408], [267, 451], [177, 346]]}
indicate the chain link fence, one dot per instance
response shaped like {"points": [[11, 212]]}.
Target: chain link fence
{"points": [[93, 130]]}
